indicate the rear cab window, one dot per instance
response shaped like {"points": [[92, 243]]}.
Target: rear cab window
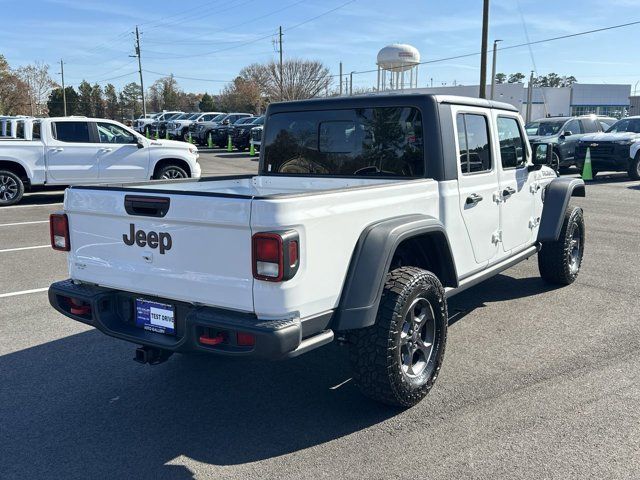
{"points": [[372, 141]]}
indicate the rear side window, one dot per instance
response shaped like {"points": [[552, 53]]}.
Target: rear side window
{"points": [[573, 126], [35, 131], [473, 138], [512, 146], [379, 141], [72, 132], [20, 129]]}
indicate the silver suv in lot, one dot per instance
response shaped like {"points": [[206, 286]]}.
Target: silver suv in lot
{"points": [[179, 128], [564, 133]]}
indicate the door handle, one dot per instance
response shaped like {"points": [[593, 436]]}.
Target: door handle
{"points": [[507, 192], [59, 149], [473, 199], [106, 150]]}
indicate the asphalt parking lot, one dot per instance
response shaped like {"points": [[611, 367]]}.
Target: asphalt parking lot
{"points": [[537, 382]]}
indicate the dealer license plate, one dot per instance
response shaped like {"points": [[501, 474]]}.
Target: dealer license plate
{"points": [[155, 317]]}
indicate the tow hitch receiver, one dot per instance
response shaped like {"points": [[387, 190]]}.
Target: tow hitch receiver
{"points": [[151, 355]]}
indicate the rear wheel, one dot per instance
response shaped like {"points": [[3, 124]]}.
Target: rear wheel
{"points": [[559, 262], [170, 172], [396, 361], [11, 188], [634, 167]]}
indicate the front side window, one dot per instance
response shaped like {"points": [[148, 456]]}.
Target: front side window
{"points": [[111, 133], [379, 141], [512, 145], [72, 132], [20, 129], [573, 126], [473, 138], [626, 125]]}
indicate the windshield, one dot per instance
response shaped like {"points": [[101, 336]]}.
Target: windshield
{"points": [[194, 116], [543, 129], [219, 118], [172, 116], [382, 141], [184, 116], [240, 121], [626, 125], [258, 120]]}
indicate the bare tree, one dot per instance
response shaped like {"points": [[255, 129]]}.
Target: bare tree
{"points": [[300, 79], [14, 99], [242, 95], [39, 86]]}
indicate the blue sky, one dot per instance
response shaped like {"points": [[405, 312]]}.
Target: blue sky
{"points": [[211, 40]]}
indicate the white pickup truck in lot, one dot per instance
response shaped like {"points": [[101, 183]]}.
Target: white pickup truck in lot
{"points": [[366, 215], [78, 150]]}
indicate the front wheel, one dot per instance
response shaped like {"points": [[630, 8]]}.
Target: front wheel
{"points": [[559, 261], [170, 172], [396, 361], [11, 188]]}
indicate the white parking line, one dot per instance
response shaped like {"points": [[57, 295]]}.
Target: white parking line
{"points": [[22, 223], [23, 248], [23, 292], [27, 206]]}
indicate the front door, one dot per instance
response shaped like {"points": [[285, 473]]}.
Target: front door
{"points": [[516, 206], [119, 158], [477, 183], [72, 153]]}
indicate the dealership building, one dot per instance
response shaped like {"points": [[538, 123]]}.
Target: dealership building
{"points": [[578, 99]]}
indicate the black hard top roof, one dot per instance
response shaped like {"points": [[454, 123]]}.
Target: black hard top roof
{"points": [[385, 99]]}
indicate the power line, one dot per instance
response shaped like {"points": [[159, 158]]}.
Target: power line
{"points": [[187, 78]]}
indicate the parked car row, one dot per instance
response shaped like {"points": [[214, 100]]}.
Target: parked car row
{"points": [[613, 145]]}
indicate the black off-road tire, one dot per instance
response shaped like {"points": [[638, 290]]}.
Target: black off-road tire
{"points": [[170, 172], [559, 262], [11, 188], [376, 352], [634, 168]]}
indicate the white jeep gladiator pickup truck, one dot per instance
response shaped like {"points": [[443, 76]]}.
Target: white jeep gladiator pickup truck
{"points": [[366, 215], [78, 150]]}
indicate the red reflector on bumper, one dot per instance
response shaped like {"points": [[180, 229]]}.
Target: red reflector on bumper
{"points": [[246, 339], [207, 340]]}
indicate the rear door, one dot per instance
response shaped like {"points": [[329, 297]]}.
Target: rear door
{"points": [[569, 142], [119, 158], [192, 248], [72, 153], [516, 206], [477, 181]]}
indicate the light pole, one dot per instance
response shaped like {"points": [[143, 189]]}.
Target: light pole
{"points": [[351, 83], [483, 60], [493, 68]]}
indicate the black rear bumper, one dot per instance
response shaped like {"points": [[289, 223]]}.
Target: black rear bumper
{"points": [[112, 312]]}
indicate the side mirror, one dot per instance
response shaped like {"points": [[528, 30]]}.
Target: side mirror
{"points": [[567, 133], [542, 155], [140, 143], [226, 122]]}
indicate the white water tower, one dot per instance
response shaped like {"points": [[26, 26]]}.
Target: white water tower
{"points": [[398, 63]]}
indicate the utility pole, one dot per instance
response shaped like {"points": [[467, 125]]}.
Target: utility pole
{"points": [[483, 59], [144, 105], [529, 98], [493, 68], [281, 69], [351, 83], [340, 78], [64, 93]]}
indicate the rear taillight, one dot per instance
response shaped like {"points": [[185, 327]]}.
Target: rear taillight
{"points": [[59, 228], [276, 255]]}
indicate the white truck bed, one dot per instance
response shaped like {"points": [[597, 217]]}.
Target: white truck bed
{"points": [[211, 223]]}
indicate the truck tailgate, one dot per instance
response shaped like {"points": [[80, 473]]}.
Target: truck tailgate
{"points": [[199, 251]]}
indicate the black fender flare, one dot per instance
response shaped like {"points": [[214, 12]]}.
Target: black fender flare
{"points": [[371, 260], [556, 200]]}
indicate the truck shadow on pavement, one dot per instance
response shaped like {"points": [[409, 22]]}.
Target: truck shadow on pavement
{"points": [[497, 289], [78, 407]]}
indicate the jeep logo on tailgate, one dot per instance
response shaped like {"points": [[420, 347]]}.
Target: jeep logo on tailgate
{"points": [[151, 239]]}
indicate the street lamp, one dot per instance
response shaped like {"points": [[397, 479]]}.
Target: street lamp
{"points": [[493, 69]]}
